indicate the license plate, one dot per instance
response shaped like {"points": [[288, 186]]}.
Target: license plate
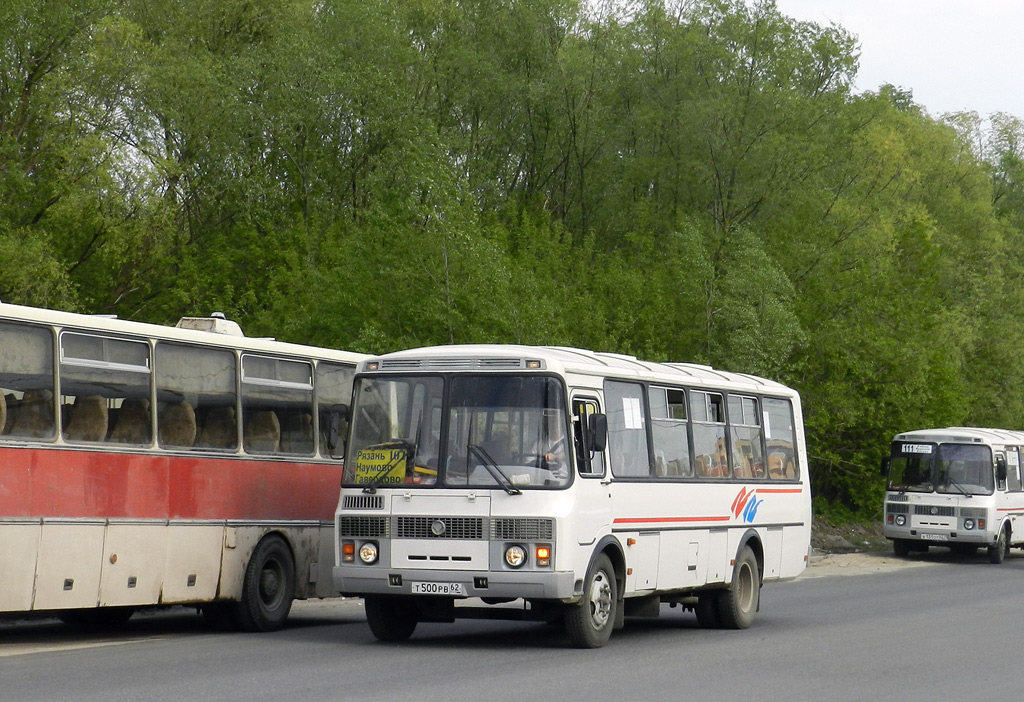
{"points": [[438, 589], [934, 537]]}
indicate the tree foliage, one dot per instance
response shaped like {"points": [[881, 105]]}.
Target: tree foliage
{"points": [[678, 180]]}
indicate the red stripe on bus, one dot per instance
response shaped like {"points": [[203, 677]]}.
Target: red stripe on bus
{"points": [[70, 483], [780, 491], [649, 520]]}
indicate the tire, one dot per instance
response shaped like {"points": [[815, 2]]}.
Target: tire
{"points": [[997, 551], [737, 606], [706, 610], [589, 623], [268, 588], [391, 618], [901, 547]]}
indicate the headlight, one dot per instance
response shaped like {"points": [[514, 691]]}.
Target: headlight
{"points": [[900, 520], [515, 556], [368, 552], [968, 524]]}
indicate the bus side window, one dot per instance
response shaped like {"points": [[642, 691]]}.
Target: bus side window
{"points": [[588, 462], [708, 417], [277, 402], [105, 388], [1013, 478], [627, 429], [779, 439], [26, 382], [195, 389]]}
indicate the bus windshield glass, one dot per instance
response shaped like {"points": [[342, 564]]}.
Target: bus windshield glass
{"points": [[482, 431], [947, 468]]}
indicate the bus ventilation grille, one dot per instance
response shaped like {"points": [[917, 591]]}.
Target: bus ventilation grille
{"points": [[363, 502], [522, 529], [363, 527]]}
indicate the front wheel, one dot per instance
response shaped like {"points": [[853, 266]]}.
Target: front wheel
{"points": [[997, 551], [268, 588], [738, 605], [901, 547], [590, 622], [391, 618]]}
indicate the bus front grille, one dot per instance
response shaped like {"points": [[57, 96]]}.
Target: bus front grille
{"points": [[439, 528]]}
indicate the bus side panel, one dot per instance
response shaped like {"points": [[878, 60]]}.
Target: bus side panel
{"points": [[642, 560], [772, 543], [68, 569], [796, 541], [193, 563], [134, 556], [683, 559], [19, 548], [720, 556]]}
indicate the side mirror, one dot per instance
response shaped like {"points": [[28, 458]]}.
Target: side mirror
{"points": [[598, 432], [1001, 468], [885, 466]]}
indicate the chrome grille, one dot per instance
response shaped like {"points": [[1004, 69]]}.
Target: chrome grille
{"points": [[363, 502], [363, 527], [934, 510], [522, 529], [974, 512], [439, 528], [897, 509]]}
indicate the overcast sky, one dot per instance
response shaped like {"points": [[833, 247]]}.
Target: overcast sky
{"points": [[953, 54]]}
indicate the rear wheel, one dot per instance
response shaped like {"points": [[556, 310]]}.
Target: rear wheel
{"points": [[737, 606], [391, 618], [706, 610], [269, 587], [590, 622]]}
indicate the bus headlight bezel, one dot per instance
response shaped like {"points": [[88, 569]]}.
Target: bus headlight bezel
{"points": [[900, 520], [968, 524]]}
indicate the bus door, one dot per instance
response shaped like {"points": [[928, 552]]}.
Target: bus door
{"points": [[591, 514]]}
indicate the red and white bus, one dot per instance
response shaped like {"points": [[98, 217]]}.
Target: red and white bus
{"points": [[584, 487], [145, 465]]}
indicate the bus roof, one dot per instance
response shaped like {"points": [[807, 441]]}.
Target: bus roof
{"points": [[963, 435], [567, 360], [105, 324]]}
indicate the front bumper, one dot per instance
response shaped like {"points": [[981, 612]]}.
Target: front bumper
{"points": [[358, 579]]}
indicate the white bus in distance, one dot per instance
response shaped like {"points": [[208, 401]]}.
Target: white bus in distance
{"points": [[957, 487], [583, 487]]}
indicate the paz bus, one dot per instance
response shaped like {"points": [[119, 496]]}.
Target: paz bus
{"points": [[146, 465], [567, 486], [957, 487]]}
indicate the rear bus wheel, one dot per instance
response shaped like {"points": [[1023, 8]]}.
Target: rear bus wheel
{"points": [[738, 605], [589, 623], [268, 588]]}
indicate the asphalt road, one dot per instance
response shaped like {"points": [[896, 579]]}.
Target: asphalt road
{"points": [[949, 631]]}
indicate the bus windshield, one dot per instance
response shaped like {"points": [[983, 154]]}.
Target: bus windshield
{"points": [[946, 468], [482, 431]]}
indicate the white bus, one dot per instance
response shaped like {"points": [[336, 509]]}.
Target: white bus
{"points": [[559, 484], [957, 487], [144, 465]]}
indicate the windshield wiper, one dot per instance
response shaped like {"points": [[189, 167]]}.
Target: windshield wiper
{"points": [[959, 487], [492, 468]]}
